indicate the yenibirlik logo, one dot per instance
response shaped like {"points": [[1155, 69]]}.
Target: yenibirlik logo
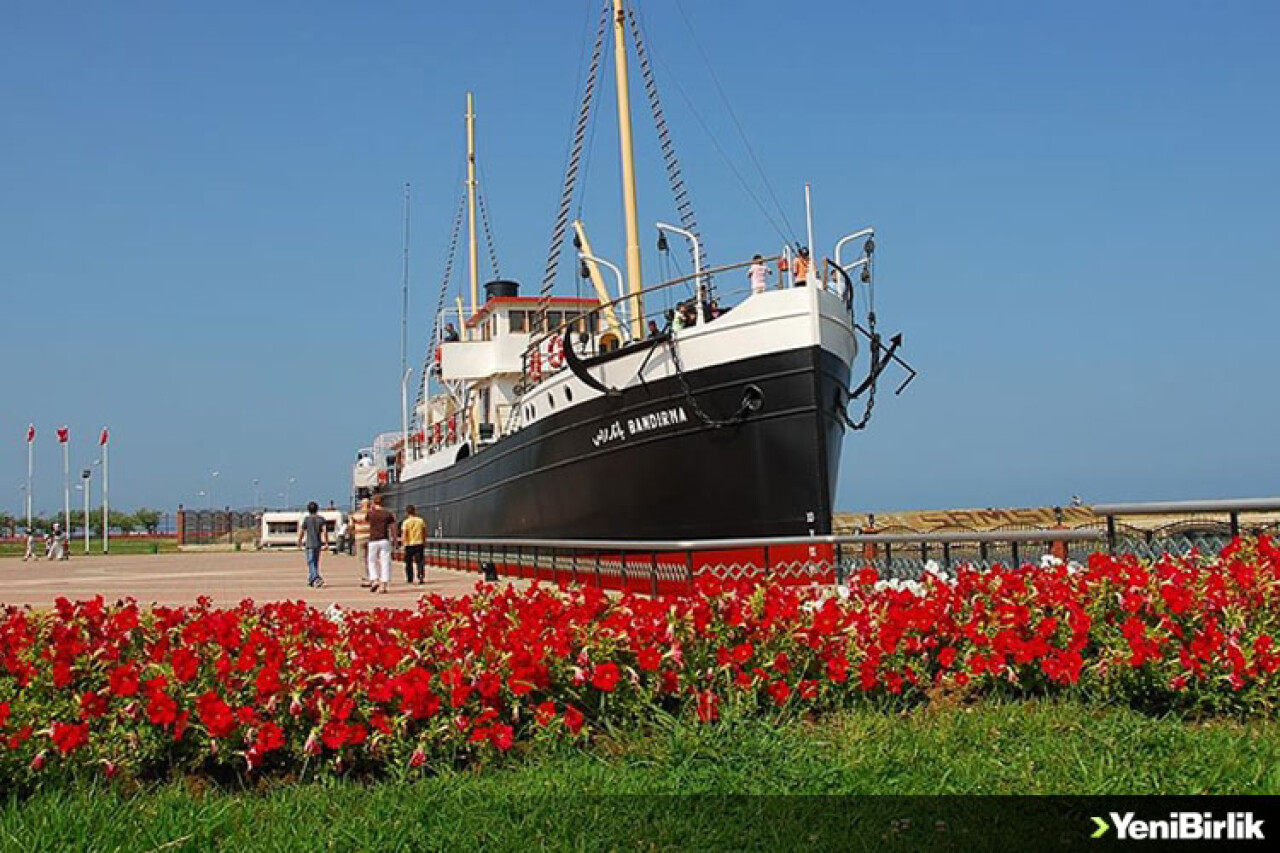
{"points": [[1183, 826]]}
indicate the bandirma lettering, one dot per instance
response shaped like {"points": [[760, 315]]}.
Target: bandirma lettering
{"points": [[657, 420], [1188, 826]]}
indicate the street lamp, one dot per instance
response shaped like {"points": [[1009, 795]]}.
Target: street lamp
{"points": [[255, 494], [85, 476], [292, 480], [213, 481], [697, 264], [208, 503]]}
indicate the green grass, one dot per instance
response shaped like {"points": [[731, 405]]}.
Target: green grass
{"points": [[665, 789], [121, 545]]}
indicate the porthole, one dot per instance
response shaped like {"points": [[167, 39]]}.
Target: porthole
{"points": [[551, 400], [568, 395]]}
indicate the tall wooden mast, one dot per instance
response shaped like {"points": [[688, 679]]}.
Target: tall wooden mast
{"points": [[634, 279], [473, 249]]}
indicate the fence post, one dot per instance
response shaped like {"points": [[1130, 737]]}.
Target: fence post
{"points": [[839, 564], [655, 574], [1235, 525], [1017, 561], [1111, 535]]}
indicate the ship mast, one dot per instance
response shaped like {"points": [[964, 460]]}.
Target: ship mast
{"points": [[473, 250], [634, 280]]}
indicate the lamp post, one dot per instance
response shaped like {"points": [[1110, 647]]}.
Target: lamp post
{"points": [[208, 499], [255, 494], [697, 264], [85, 477], [617, 273], [287, 488], [213, 481]]}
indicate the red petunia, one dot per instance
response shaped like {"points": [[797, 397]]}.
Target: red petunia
{"points": [[573, 719], [68, 736], [605, 676], [215, 714], [123, 681], [649, 659], [502, 736], [269, 737]]}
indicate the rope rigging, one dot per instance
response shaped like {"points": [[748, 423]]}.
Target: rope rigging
{"points": [[746, 142], [679, 191], [488, 232], [429, 362], [571, 169]]}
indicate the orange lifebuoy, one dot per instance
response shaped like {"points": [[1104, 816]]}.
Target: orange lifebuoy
{"points": [[555, 353], [382, 476]]}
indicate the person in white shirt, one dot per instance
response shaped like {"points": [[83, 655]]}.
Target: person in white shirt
{"points": [[758, 275]]}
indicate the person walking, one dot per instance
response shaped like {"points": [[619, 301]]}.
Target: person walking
{"points": [[382, 531], [58, 543], [360, 538], [758, 275], [313, 535], [413, 536], [31, 546]]}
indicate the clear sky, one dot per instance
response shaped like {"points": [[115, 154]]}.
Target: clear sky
{"points": [[1078, 208]]}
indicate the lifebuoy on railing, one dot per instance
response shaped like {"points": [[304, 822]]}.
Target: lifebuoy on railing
{"points": [[555, 353], [535, 365], [453, 428], [435, 434], [382, 476]]}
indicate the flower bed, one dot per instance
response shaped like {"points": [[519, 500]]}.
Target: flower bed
{"points": [[284, 688]]}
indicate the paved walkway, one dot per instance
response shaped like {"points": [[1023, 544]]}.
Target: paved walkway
{"points": [[225, 577]]}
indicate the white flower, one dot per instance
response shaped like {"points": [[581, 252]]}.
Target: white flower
{"points": [[1050, 561], [335, 614]]}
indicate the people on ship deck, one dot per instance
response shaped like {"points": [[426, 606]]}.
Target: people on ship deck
{"points": [[758, 275], [800, 267]]}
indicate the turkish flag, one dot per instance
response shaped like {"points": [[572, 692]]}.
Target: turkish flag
{"points": [[64, 433], [102, 439], [31, 433]]}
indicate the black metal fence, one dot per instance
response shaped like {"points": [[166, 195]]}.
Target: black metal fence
{"points": [[661, 567]]}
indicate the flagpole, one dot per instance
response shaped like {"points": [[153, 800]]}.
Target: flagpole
{"points": [[106, 512], [30, 438], [66, 484]]}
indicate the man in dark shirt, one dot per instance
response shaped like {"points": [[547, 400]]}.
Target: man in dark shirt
{"points": [[382, 530], [313, 535]]}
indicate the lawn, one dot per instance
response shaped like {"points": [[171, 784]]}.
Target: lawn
{"points": [[680, 786], [119, 545]]}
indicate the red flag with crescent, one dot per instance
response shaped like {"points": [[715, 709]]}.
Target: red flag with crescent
{"points": [[64, 434], [31, 433], [102, 439]]}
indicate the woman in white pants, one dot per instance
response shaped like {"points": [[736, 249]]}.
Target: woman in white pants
{"points": [[382, 531]]}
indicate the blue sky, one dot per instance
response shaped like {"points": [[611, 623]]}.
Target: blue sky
{"points": [[200, 225]]}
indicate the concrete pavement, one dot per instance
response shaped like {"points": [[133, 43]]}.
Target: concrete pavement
{"points": [[227, 578]]}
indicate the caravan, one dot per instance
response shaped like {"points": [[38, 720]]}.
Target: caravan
{"points": [[279, 528]]}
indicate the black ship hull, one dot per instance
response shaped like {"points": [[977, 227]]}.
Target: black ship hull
{"points": [[647, 464]]}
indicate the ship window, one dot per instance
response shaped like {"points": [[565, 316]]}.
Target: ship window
{"points": [[554, 319], [593, 323], [519, 321]]}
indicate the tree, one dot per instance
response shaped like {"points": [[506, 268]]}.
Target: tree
{"points": [[148, 519]]}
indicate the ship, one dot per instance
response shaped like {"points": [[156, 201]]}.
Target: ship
{"points": [[692, 408]]}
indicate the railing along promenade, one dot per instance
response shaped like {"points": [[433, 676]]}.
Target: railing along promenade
{"points": [[670, 566]]}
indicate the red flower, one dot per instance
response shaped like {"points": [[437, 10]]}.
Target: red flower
{"points": [[92, 705], [544, 713], [123, 680], [67, 736], [215, 714], [573, 719], [780, 692], [708, 706], [162, 710], [185, 663], [269, 737], [502, 736], [605, 677], [649, 659], [4, 714]]}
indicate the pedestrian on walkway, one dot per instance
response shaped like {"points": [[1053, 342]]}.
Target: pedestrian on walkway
{"points": [[413, 535], [382, 532], [31, 546], [360, 534], [313, 535]]}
